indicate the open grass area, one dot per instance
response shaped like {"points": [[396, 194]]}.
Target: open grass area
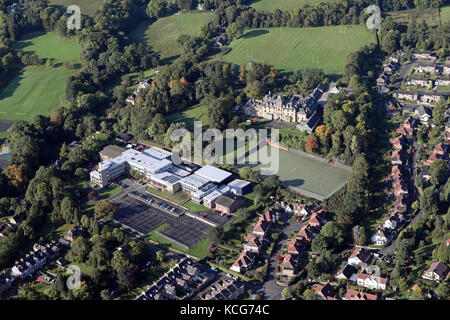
{"points": [[303, 173], [445, 14], [430, 16], [163, 34], [284, 5], [176, 198], [196, 113], [199, 250], [291, 49], [62, 231], [195, 207], [38, 90], [88, 7]]}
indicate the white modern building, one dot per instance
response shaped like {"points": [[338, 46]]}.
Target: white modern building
{"points": [[148, 163]]}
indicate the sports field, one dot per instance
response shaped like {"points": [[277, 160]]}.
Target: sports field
{"points": [[307, 175], [284, 5], [163, 34], [38, 90], [296, 48], [430, 16], [88, 7]]}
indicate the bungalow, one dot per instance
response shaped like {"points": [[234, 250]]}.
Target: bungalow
{"points": [[253, 243], [359, 256], [371, 281], [326, 292], [380, 237], [436, 272], [288, 265], [359, 295], [243, 263]]}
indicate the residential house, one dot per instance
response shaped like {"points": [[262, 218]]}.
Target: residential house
{"points": [[326, 292], [74, 233], [396, 157], [381, 237], [253, 243], [243, 263], [426, 55], [359, 295], [424, 114], [371, 281], [419, 81], [261, 227], [442, 82], [348, 273], [306, 233], [359, 256], [406, 95], [436, 272], [383, 79], [426, 67], [288, 265], [296, 246]]}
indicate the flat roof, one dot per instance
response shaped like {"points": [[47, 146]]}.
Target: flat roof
{"points": [[213, 174], [179, 172], [112, 151], [213, 195], [239, 183], [194, 181], [158, 153], [166, 178], [142, 160]]}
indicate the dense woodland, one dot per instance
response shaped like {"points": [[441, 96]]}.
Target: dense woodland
{"points": [[353, 129]]}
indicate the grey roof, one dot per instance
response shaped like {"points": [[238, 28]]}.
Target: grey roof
{"points": [[213, 174], [239, 183], [224, 201], [112, 151]]}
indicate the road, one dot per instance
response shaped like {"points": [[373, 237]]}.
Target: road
{"points": [[404, 70]]}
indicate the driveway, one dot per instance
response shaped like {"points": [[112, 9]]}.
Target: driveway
{"points": [[270, 290]]}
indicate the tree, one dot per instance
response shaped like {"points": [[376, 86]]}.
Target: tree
{"points": [[127, 276], [105, 208], [311, 145], [119, 260], [235, 30], [79, 250], [160, 256], [438, 171], [429, 200], [443, 290], [216, 235], [286, 293]]}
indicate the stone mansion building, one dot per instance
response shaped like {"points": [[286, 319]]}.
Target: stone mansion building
{"points": [[298, 108]]}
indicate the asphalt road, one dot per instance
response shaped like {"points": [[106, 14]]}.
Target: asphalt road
{"points": [[402, 74]]}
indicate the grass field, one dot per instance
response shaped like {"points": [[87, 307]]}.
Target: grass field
{"points": [[197, 113], [296, 48], [430, 16], [88, 7], [163, 34], [38, 90], [176, 198], [306, 174], [284, 5], [445, 14]]}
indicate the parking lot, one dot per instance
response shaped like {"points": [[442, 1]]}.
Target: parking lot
{"points": [[145, 218]]}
